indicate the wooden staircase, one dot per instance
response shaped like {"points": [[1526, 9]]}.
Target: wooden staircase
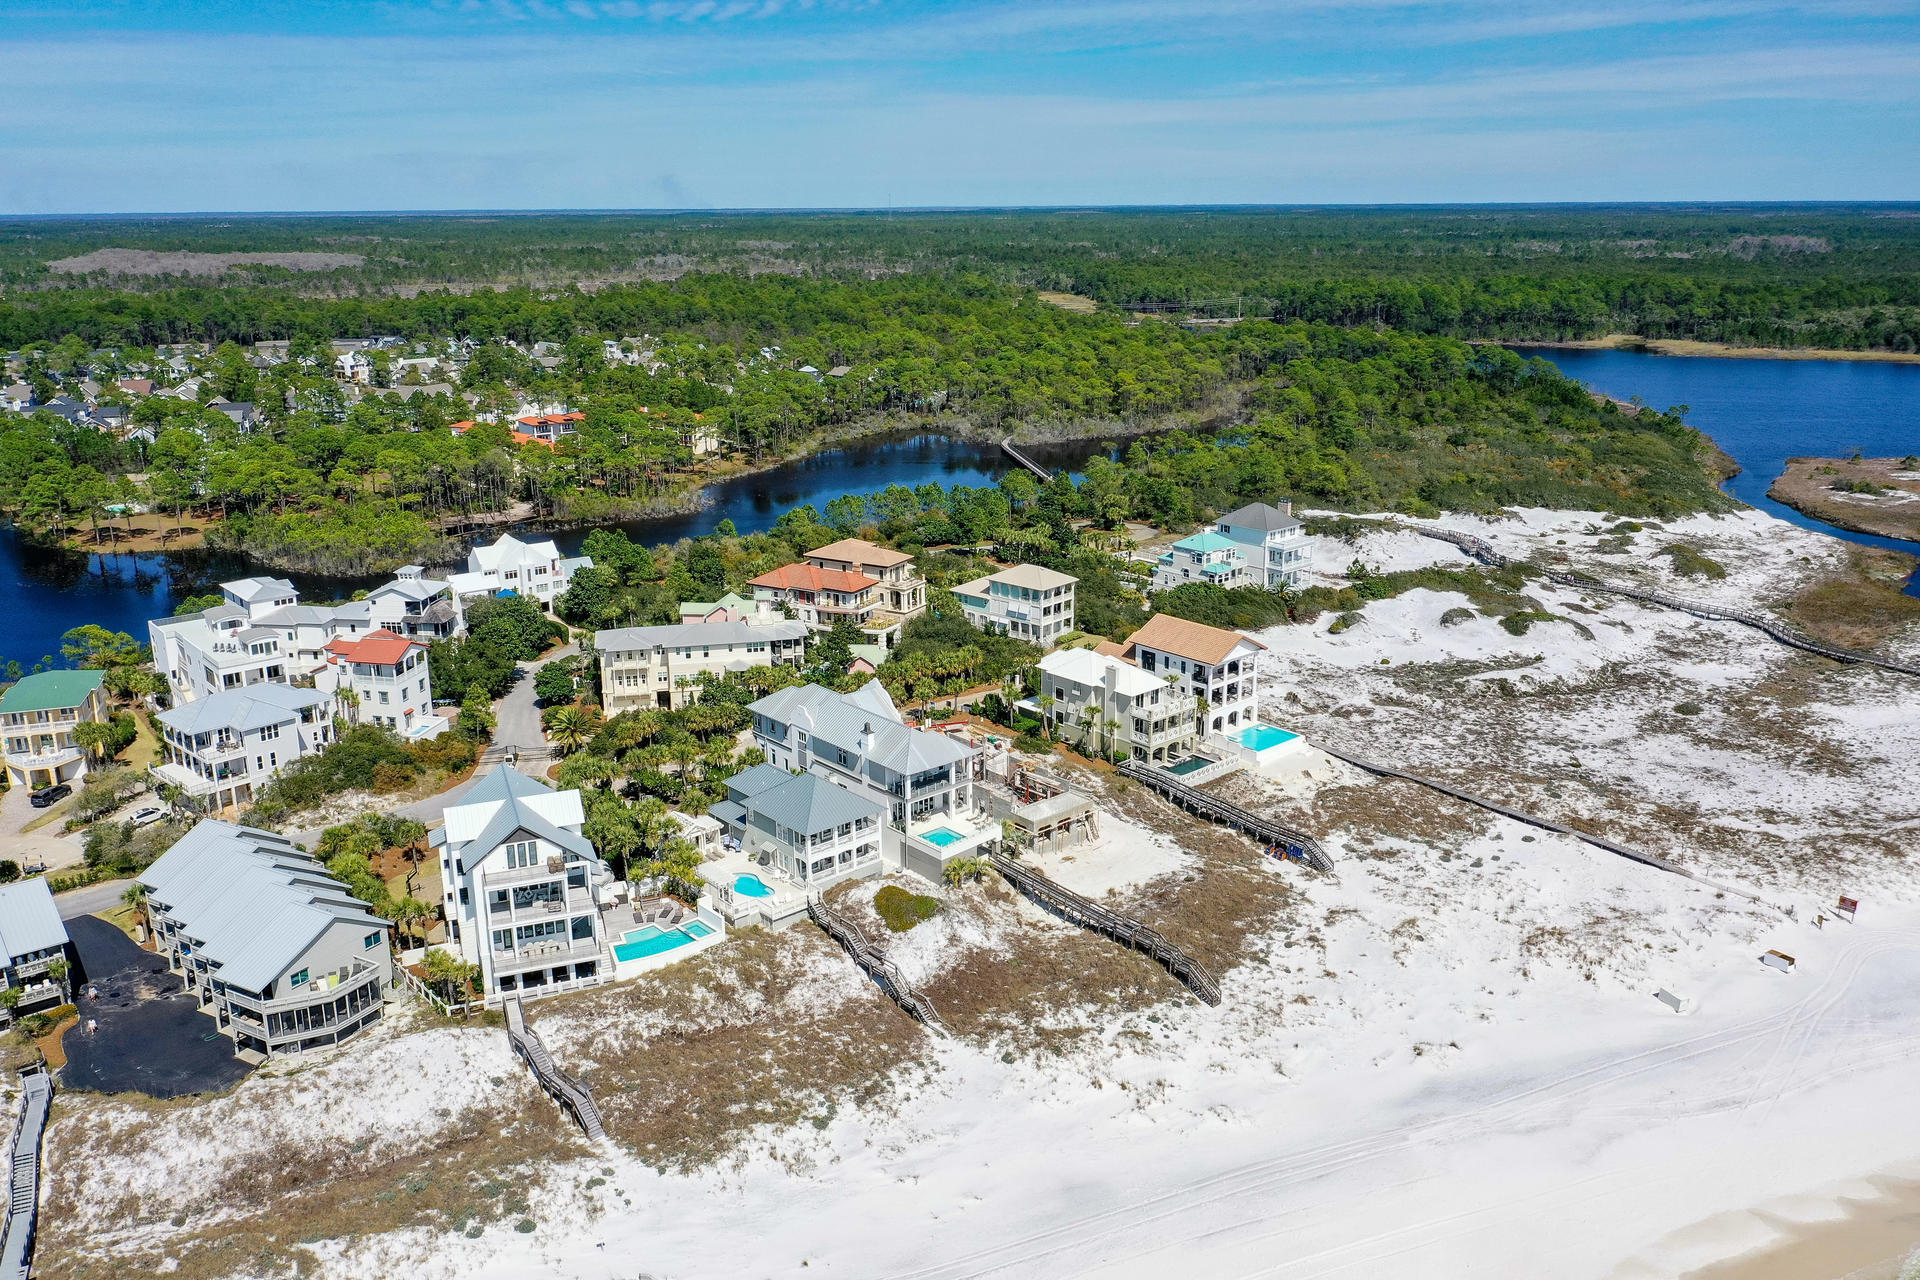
{"points": [[561, 1087], [23, 1192], [1122, 929], [874, 961]]}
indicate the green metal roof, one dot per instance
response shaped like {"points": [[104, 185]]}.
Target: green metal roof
{"points": [[1208, 541], [50, 691]]}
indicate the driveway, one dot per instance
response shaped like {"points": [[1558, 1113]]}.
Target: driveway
{"points": [[517, 723], [50, 844], [88, 899], [152, 1037]]}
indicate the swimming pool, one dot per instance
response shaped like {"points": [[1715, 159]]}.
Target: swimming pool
{"points": [[748, 885], [638, 944], [941, 836], [1258, 737]]}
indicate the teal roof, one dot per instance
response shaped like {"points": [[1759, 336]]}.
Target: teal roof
{"points": [[1208, 541], [50, 691]]}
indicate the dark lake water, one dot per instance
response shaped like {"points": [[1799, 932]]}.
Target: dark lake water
{"points": [[48, 592], [1759, 411], [1763, 412]]}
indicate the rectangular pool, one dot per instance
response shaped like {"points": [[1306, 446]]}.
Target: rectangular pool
{"points": [[1191, 764], [638, 944], [942, 836], [1258, 737]]}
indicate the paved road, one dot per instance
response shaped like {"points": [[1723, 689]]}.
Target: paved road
{"points": [[517, 722], [90, 899]]}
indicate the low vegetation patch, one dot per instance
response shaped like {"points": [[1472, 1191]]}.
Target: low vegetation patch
{"points": [[1689, 562], [902, 910], [1454, 617]]}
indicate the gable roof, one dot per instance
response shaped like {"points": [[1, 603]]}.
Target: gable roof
{"points": [[808, 803], [382, 648], [506, 801], [50, 690], [1193, 640], [252, 901], [252, 589], [859, 551], [808, 577], [29, 921], [509, 552], [1095, 670], [751, 782], [844, 719], [253, 707], [680, 634], [1261, 516], [1207, 541]]}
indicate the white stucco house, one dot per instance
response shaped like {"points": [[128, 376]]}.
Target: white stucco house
{"points": [[534, 569]]}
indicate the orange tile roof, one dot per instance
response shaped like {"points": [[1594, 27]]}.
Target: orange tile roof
{"points": [[1193, 640], [859, 551], [551, 419], [381, 648], [1108, 648], [807, 577]]}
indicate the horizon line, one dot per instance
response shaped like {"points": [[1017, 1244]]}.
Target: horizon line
{"points": [[793, 210]]}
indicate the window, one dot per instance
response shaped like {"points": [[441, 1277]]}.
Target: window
{"points": [[522, 853], [297, 978], [371, 941]]}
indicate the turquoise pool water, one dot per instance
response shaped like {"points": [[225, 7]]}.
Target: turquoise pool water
{"points": [[1258, 737], [1189, 765], [941, 836], [748, 885], [652, 940]]}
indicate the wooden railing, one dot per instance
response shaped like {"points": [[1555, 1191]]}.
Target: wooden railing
{"points": [[874, 961], [1024, 460], [561, 1087], [1481, 550], [23, 1192], [1123, 929], [1276, 837], [1545, 824]]}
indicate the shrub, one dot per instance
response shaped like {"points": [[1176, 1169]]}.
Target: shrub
{"points": [[1519, 623], [1688, 562], [902, 910], [1688, 709], [1033, 744], [9, 871], [1454, 617], [390, 777], [1351, 618]]}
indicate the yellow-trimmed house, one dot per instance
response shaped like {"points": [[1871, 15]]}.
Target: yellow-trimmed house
{"points": [[38, 715]]}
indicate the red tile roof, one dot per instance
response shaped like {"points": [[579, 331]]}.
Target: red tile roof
{"points": [[807, 577], [1193, 640], [382, 648]]}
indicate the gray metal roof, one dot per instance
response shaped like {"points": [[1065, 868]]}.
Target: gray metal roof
{"points": [[808, 803], [297, 615], [509, 785], [751, 782], [1258, 515], [29, 921], [251, 589], [253, 707], [731, 812], [682, 634], [252, 903], [864, 723]]}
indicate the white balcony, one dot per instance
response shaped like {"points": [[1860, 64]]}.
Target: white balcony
{"points": [[44, 759]]}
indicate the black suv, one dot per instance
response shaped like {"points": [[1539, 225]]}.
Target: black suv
{"points": [[50, 795]]}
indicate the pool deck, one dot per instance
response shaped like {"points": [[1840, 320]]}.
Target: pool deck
{"points": [[705, 914], [974, 834], [787, 904]]}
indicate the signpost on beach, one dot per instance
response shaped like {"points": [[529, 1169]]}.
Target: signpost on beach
{"points": [[1847, 907]]}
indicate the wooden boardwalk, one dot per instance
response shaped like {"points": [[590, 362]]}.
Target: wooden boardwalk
{"points": [[561, 1087], [874, 961], [1122, 929], [1007, 446], [23, 1191], [1269, 833], [1481, 550], [1544, 824]]}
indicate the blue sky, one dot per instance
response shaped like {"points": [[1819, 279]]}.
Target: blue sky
{"points": [[115, 106]]}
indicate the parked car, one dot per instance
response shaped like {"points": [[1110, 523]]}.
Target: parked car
{"points": [[50, 795], [146, 816]]}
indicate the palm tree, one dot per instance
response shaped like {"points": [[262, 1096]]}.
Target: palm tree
{"points": [[569, 729], [1111, 727]]}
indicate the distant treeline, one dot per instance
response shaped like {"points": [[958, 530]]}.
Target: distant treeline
{"points": [[1790, 275]]}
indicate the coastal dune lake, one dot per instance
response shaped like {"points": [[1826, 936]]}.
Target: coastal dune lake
{"points": [[1762, 412], [1759, 411]]}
